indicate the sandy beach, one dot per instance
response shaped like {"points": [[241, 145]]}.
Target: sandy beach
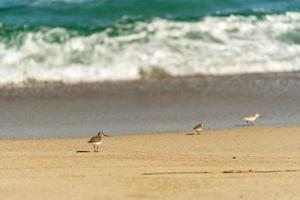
{"points": [[146, 73], [241, 163]]}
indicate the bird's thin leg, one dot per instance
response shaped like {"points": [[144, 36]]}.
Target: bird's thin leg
{"points": [[97, 148], [248, 123], [94, 148]]}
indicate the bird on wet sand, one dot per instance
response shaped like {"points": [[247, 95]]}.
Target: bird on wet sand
{"points": [[251, 118], [198, 128], [97, 140]]}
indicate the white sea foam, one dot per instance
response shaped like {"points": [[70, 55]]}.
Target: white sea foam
{"points": [[212, 46]]}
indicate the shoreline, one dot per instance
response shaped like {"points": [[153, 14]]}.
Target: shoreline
{"points": [[238, 163], [136, 134], [57, 88]]}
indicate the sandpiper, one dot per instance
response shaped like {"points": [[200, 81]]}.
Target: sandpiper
{"points": [[97, 140], [198, 128], [251, 118]]}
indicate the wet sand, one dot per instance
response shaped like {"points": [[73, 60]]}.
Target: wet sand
{"points": [[240, 163], [148, 106]]}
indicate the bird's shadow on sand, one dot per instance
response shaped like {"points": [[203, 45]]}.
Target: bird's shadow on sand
{"points": [[190, 134], [83, 151]]}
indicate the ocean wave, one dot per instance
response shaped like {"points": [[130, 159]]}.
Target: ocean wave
{"points": [[157, 48]]}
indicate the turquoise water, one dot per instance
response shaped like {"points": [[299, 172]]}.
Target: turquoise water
{"points": [[87, 16], [89, 40]]}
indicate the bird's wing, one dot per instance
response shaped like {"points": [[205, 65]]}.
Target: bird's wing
{"points": [[197, 126], [92, 139], [246, 117]]}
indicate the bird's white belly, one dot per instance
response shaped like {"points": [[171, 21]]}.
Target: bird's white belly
{"points": [[249, 118], [97, 143]]}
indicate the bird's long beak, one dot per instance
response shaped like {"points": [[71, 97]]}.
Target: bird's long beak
{"points": [[105, 135]]}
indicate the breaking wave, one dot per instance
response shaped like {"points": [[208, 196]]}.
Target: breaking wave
{"points": [[150, 48]]}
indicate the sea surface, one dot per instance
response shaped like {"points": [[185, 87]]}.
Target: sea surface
{"points": [[74, 41]]}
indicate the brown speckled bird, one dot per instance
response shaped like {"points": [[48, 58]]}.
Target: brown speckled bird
{"points": [[198, 128], [97, 140]]}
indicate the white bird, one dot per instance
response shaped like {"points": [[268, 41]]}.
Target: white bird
{"points": [[251, 118], [198, 128], [97, 140]]}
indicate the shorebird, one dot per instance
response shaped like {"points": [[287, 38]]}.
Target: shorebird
{"points": [[251, 118], [198, 128], [97, 140]]}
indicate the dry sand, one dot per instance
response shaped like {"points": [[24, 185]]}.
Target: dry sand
{"points": [[243, 163]]}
